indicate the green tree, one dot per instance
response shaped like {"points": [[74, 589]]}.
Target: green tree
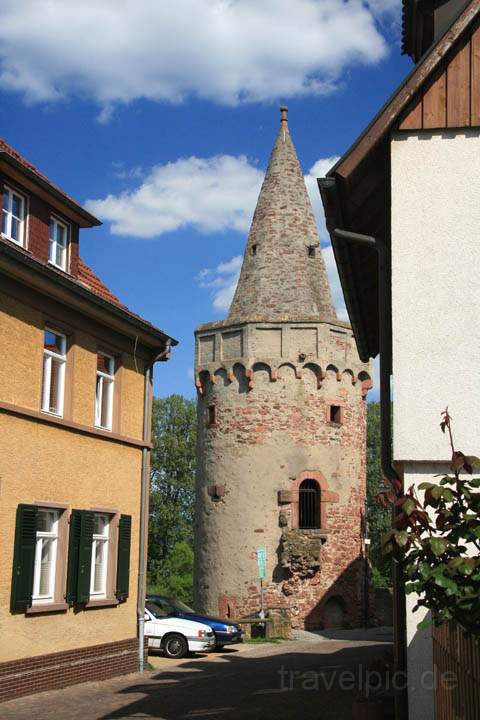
{"points": [[378, 517], [177, 573], [172, 491]]}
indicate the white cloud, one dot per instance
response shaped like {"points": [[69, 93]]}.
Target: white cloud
{"points": [[226, 51], [385, 7], [222, 282], [208, 194]]}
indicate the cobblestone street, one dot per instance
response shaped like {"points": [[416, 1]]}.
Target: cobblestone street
{"points": [[292, 679]]}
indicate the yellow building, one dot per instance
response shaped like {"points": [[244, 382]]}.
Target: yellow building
{"points": [[75, 394]]}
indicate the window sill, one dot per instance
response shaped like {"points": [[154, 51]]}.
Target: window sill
{"points": [[317, 532], [59, 267], [102, 428], [18, 243], [52, 414], [102, 602], [47, 608]]}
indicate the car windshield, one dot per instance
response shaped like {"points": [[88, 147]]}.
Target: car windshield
{"points": [[179, 605], [155, 610]]}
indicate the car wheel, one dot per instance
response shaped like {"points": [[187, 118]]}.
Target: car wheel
{"points": [[175, 646], [218, 646]]}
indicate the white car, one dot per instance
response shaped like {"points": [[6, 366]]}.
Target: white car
{"points": [[176, 636]]}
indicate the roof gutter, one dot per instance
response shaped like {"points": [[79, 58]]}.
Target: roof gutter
{"points": [[389, 472]]}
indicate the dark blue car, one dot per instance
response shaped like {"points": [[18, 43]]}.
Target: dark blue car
{"points": [[226, 632]]}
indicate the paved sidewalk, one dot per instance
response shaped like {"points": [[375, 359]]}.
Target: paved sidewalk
{"points": [[292, 679]]}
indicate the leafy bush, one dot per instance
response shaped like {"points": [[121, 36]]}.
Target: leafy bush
{"points": [[437, 541]]}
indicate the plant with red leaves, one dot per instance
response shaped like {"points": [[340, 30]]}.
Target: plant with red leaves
{"points": [[437, 540]]}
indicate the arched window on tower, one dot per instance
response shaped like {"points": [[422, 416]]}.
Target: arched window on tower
{"points": [[309, 505]]}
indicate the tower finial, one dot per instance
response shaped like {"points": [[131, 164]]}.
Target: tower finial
{"points": [[283, 277]]}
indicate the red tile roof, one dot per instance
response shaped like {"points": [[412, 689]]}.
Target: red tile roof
{"points": [[69, 201], [6, 148], [85, 274], [95, 285]]}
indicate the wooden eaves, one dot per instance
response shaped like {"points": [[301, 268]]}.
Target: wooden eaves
{"points": [[356, 191]]}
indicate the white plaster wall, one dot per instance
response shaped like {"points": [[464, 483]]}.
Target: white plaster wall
{"points": [[435, 291], [419, 642]]}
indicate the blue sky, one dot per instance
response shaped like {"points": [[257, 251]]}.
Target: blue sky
{"points": [[161, 119]]}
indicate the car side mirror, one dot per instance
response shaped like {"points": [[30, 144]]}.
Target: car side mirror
{"points": [[146, 617]]}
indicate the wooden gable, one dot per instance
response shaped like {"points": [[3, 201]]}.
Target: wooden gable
{"points": [[451, 98]]}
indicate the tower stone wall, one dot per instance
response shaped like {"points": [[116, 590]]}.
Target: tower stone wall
{"points": [[281, 399]]}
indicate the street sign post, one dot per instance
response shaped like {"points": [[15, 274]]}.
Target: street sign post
{"points": [[262, 562], [262, 574]]}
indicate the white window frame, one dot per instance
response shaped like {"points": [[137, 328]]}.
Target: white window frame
{"points": [[41, 536], [53, 243], [8, 212], [105, 382], [105, 540], [48, 357]]}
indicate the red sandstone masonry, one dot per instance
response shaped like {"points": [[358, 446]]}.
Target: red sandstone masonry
{"points": [[58, 670], [270, 411]]}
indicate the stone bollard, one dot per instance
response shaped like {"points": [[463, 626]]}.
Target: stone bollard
{"points": [[279, 625]]}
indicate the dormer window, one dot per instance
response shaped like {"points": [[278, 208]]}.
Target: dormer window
{"points": [[13, 216], [58, 244]]}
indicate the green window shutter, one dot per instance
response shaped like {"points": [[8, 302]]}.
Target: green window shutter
{"points": [[24, 557], [123, 560], [73, 547], [79, 556], [85, 557]]}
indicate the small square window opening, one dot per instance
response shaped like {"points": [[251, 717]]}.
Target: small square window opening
{"points": [[335, 414], [311, 251], [253, 250], [212, 416]]}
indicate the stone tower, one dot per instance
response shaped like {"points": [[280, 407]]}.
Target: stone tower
{"points": [[281, 426]]}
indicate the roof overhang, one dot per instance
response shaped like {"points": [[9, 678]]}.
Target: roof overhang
{"points": [[66, 290], [51, 194], [424, 21], [356, 192]]}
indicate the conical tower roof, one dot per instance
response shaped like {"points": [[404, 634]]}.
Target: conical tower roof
{"points": [[283, 275]]}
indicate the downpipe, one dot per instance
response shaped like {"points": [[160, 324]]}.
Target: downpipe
{"points": [[385, 347], [142, 545]]}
